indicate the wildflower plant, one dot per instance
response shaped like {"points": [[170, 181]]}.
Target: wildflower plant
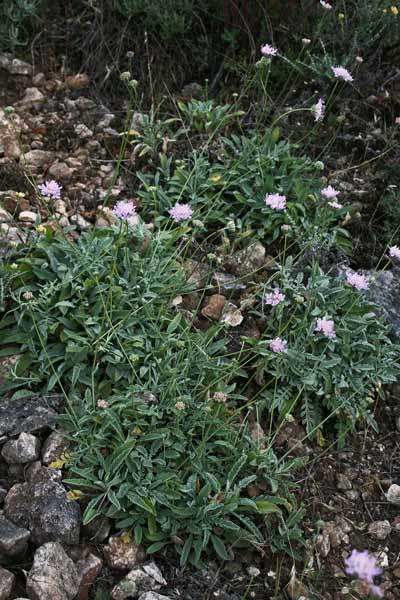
{"points": [[337, 351], [161, 446]]}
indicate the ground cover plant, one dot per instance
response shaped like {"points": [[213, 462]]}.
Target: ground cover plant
{"points": [[219, 303]]}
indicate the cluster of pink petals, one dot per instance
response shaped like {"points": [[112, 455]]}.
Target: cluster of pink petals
{"points": [[275, 201], [275, 298], [397, 120], [394, 252], [357, 281], [326, 5], [268, 50], [278, 345], [123, 210], [51, 189], [326, 326], [180, 212], [342, 73], [335, 204], [329, 192], [362, 564], [319, 110]]}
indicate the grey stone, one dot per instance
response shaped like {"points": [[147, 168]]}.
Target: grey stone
{"points": [[32, 96], [122, 554], [53, 574], [393, 494], [153, 596], [14, 66], [39, 158], [36, 473], [343, 482], [380, 529], [248, 261], [23, 450], [7, 582], [384, 290], [13, 539], [28, 414], [55, 445], [45, 510], [143, 579]]}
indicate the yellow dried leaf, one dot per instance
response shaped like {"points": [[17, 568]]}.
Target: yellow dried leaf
{"points": [[75, 494]]}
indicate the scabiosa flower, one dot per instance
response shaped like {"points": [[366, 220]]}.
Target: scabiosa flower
{"points": [[359, 282], [326, 326], [180, 405], [123, 210], [275, 298], [278, 345], [319, 110], [397, 120], [342, 73], [335, 204], [394, 252], [329, 192], [51, 189], [180, 212], [363, 565], [275, 201], [325, 5], [268, 50], [306, 41]]}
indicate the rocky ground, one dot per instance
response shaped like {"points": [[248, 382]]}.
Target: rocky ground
{"points": [[351, 495]]}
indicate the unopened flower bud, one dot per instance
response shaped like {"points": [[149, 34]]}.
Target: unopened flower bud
{"points": [[125, 76]]}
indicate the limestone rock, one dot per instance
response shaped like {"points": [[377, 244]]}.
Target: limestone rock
{"points": [[28, 414], [27, 216], [45, 510], [393, 494], [7, 582], [123, 554], [53, 574], [89, 569], [214, 307], [14, 66], [380, 529], [55, 445], [143, 579], [23, 450], [13, 539]]}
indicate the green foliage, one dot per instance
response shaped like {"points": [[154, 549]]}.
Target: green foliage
{"points": [[162, 457], [16, 19], [168, 19], [205, 117], [231, 186], [178, 477], [320, 377]]}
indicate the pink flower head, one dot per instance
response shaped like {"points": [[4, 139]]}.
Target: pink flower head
{"points": [[329, 192], [376, 591], [268, 50], [335, 204], [180, 212], [123, 210], [51, 189], [342, 73], [278, 345], [394, 252], [326, 326], [275, 298], [359, 282], [275, 201], [319, 110], [363, 565], [397, 120], [326, 5]]}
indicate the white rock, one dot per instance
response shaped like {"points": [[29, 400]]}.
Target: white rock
{"points": [[393, 494], [27, 216]]}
